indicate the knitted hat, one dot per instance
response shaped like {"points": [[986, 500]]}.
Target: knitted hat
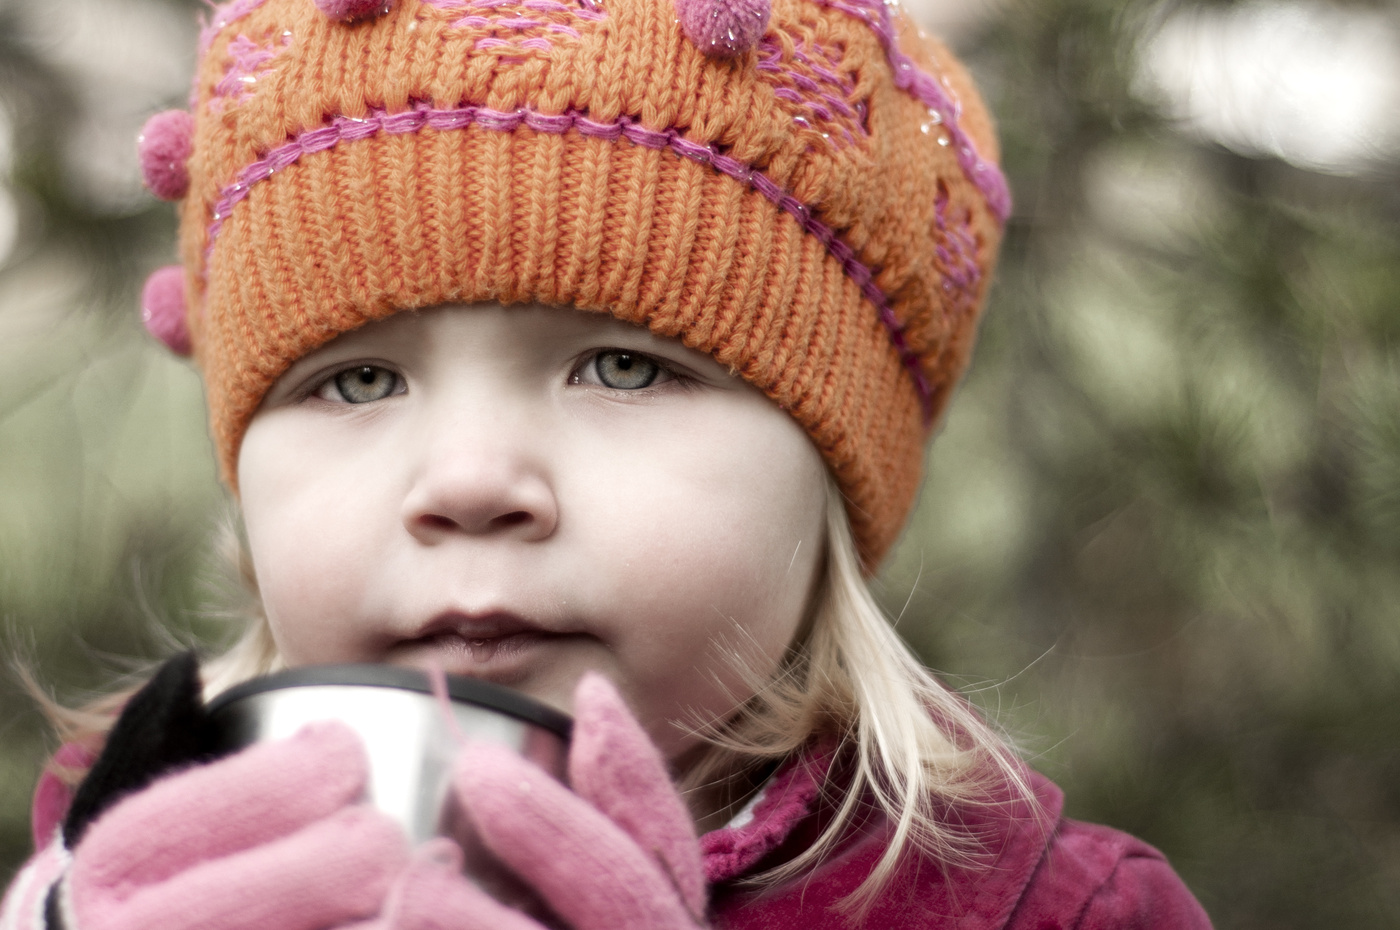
{"points": [[806, 192]]}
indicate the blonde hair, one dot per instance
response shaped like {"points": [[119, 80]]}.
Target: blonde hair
{"points": [[917, 748], [914, 747]]}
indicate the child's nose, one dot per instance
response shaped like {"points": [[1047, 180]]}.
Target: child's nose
{"points": [[480, 491]]}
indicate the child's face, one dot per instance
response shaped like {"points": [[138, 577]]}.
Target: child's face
{"points": [[523, 494]]}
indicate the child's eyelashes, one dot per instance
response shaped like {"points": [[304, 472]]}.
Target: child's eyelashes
{"points": [[359, 384], [623, 370]]}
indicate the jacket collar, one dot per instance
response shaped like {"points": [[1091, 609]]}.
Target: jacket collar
{"points": [[1011, 831]]}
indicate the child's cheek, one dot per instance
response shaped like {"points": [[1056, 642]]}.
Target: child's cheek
{"points": [[306, 537], [714, 540]]}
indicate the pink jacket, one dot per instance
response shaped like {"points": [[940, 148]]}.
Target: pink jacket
{"points": [[1039, 871]]}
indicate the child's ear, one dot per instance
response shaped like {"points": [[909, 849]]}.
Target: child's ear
{"points": [[163, 727]]}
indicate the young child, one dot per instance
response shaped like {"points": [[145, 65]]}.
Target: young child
{"points": [[588, 348]]}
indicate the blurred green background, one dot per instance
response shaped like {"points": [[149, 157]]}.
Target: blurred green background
{"points": [[1160, 536]]}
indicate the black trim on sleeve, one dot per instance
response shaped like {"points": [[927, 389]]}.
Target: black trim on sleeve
{"points": [[163, 727]]}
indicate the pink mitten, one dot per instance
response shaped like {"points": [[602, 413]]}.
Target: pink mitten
{"points": [[619, 852], [270, 838]]}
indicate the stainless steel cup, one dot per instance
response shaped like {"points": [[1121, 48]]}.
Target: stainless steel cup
{"points": [[411, 737]]}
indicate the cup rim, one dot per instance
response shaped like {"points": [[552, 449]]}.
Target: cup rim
{"points": [[459, 688]]}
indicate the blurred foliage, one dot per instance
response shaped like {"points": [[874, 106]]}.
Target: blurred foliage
{"points": [[107, 489], [1165, 511], [1161, 528]]}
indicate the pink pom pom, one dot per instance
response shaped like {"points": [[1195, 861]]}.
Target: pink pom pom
{"points": [[164, 146], [723, 28], [163, 308], [345, 10]]}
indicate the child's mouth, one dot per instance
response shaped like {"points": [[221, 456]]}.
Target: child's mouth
{"points": [[499, 648], [486, 648]]}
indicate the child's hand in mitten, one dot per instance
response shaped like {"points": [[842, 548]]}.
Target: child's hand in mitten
{"points": [[619, 852], [270, 838]]}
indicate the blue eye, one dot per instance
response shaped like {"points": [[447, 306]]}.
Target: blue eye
{"points": [[363, 384], [625, 371]]}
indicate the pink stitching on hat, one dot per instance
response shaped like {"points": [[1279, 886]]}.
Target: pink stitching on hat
{"points": [[244, 69], [956, 251], [511, 16], [554, 6], [826, 100], [773, 63], [929, 91], [347, 129], [222, 16], [483, 22], [957, 247], [582, 9]]}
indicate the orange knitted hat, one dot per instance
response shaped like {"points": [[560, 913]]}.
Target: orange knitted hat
{"points": [[806, 191]]}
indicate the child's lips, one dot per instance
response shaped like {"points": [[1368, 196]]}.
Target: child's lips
{"points": [[496, 647]]}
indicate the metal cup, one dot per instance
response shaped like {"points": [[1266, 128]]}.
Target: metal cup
{"points": [[411, 737]]}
